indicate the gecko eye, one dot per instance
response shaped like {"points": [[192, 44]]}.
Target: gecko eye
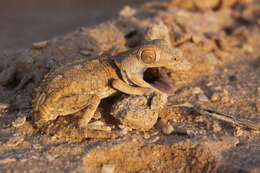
{"points": [[148, 56]]}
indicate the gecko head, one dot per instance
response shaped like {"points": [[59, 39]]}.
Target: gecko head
{"points": [[141, 65]]}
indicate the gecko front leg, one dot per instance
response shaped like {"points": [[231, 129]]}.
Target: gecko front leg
{"points": [[125, 88]]}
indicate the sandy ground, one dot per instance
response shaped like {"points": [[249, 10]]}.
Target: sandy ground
{"points": [[220, 40]]}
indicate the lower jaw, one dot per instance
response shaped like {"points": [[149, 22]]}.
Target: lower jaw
{"points": [[157, 80]]}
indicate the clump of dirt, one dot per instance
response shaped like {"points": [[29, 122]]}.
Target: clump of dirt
{"points": [[220, 43]]}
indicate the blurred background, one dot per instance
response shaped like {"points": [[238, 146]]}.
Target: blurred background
{"points": [[27, 21]]}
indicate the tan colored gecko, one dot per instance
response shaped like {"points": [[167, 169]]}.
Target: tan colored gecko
{"points": [[80, 86]]}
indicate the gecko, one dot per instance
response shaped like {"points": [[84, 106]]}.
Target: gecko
{"points": [[80, 86]]}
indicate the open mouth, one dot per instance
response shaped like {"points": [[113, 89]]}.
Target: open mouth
{"points": [[156, 79]]}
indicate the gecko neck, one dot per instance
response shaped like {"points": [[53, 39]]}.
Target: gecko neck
{"points": [[122, 73]]}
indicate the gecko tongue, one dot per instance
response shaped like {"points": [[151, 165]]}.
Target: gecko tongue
{"points": [[156, 79]]}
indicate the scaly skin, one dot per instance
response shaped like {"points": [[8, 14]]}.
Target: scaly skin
{"points": [[79, 86]]}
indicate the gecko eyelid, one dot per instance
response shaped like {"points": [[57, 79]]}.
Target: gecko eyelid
{"points": [[147, 56]]}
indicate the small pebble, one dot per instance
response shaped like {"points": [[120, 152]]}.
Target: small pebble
{"points": [[37, 146], [125, 127], [154, 139], [108, 168], [85, 52], [39, 45], [161, 123], [209, 84], [203, 98], [146, 136], [220, 96], [23, 159], [239, 132], [19, 121], [215, 97], [218, 88], [197, 90], [196, 39], [50, 157], [216, 127], [14, 141], [165, 128], [4, 107], [225, 98], [127, 11], [123, 132], [99, 125]]}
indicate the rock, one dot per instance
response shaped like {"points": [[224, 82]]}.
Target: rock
{"points": [[209, 84], [85, 52], [134, 111], [154, 139], [40, 45], [146, 136], [218, 88], [216, 127], [108, 168], [203, 98], [168, 129], [197, 90], [239, 132], [220, 96], [158, 30], [99, 125], [161, 123], [215, 97], [19, 121], [37, 146], [221, 55], [164, 127], [14, 141], [50, 157], [127, 11], [4, 107]]}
